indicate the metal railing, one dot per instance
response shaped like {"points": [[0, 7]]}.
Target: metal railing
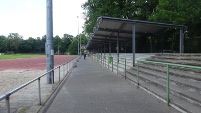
{"points": [[168, 65], [115, 64], [67, 66], [123, 64]]}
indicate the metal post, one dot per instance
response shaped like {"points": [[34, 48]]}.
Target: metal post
{"points": [[181, 40], [52, 78], [108, 62], [59, 73], [133, 44], [101, 55], [67, 67], [125, 48], [78, 49], [110, 47], [151, 44], [117, 46], [137, 74], [63, 70], [49, 40], [80, 45], [112, 65], [125, 68], [58, 46], [39, 91], [8, 104], [101, 59], [117, 66], [168, 85]]}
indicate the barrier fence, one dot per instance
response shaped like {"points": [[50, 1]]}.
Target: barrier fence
{"points": [[57, 74], [120, 66]]}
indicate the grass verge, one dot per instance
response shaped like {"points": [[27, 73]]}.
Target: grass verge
{"points": [[16, 56]]}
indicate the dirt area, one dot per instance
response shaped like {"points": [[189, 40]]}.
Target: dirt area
{"points": [[11, 79], [15, 72]]}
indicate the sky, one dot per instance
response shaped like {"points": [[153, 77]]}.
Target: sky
{"points": [[28, 17]]}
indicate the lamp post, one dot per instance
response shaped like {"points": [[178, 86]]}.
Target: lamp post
{"points": [[78, 44], [58, 46], [49, 42]]}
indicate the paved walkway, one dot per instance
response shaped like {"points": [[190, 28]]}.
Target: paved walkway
{"points": [[91, 88]]}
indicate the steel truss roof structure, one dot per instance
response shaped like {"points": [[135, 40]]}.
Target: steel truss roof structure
{"points": [[110, 29]]}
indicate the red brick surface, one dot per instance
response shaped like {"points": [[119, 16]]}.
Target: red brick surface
{"points": [[37, 63]]}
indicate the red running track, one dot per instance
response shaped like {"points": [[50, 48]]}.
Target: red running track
{"points": [[37, 63]]}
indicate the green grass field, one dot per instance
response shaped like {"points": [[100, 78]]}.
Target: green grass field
{"points": [[15, 56]]}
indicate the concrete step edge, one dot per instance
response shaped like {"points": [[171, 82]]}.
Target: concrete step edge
{"points": [[174, 104], [187, 97]]}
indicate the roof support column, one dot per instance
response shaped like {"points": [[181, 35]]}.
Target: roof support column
{"points": [[101, 49], [125, 47], [151, 44], [98, 49], [110, 47], [133, 43], [117, 46], [181, 48], [104, 47]]}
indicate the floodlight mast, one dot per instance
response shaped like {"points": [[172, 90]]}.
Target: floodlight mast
{"points": [[49, 42], [78, 44]]}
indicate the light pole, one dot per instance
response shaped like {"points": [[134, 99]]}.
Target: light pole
{"points": [[78, 48], [49, 42], [80, 44], [58, 46]]}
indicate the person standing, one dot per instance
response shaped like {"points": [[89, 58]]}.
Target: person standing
{"points": [[85, 54]]}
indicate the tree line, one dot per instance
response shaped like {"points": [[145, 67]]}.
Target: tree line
{"points": [[14, 43], [182, 12]]}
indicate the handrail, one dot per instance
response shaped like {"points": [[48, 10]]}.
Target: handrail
{"points": [[7, 95], [167, 74]]}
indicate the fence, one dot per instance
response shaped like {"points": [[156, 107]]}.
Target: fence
{"points": [[120, 66], [58, 73]]}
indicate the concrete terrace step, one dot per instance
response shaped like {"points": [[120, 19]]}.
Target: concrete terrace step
{"points": [[175, 61], [178, 58], [160, 91], [182, 91], [180, 72], [191, 80], [180, 54]]}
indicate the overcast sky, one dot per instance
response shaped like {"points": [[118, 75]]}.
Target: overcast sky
{"points": [[28, 17]]}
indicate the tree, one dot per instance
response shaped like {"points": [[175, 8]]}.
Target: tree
{"points": [[66, 41], [186, 12], [25, 47], [13, 41], [39, 45], [132, 9], [32, 43], [56, 44], [72, 49], [2, 44]]}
